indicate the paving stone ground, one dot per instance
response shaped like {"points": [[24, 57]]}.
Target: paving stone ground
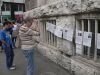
{"points": [[43, 66]]}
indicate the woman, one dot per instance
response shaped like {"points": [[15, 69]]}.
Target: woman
{"points": [[28, 43]]}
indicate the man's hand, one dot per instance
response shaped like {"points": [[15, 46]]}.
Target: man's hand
{"points": [[3, 42]]}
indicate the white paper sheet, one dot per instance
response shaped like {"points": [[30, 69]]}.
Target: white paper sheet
{"points": [[68, 34], [87, 38], [98, 40], [78, 49], [50, 27], [79, 36], [58, 31]]}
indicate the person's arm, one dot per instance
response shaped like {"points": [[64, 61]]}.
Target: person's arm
{"points": [[35, 25], [3, 42], [33, 32], [2, 37]]}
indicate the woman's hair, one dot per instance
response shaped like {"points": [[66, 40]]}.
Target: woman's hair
{"points": [[27, 20]]}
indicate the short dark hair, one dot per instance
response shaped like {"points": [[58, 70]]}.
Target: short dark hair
{"points": [[6, 23], [13, 22]]}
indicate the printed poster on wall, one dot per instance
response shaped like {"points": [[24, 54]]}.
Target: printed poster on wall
{"points": [[68, 34], [78, 49], [87, 38], [98, 40], [58, 31], [79, 36], [50, 27]]}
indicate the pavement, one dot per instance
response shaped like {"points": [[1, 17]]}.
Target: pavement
{"points": [[43, 66]]}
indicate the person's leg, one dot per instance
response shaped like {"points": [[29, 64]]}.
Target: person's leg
{"points": [[14, 41], [0, 49], [15, 38], [29, 58], [7, 53], [11, 56]]}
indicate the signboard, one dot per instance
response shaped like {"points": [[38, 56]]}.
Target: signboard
{"points": [[50, 27], [6, 15], [79, 36], [68, 34], [87, 37], [58, 31]]}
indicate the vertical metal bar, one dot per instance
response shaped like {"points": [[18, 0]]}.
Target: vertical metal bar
{"points": [[88, 31], [96, 30], [50, 41], [52, 37], [55, 37], [77, 24], [40, 30], [82, 37], [49, 37], [44, 32]]}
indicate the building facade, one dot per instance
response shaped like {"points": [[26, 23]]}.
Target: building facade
{"points": [[74, 41], [12, 9]]}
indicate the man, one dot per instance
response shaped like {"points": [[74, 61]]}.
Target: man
{"points": [[6, 40], [14, 34], [0, 41], [28, 44]]}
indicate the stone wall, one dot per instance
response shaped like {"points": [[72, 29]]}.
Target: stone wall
{"points": [[64, 12], [65, 7], [75, 66]]}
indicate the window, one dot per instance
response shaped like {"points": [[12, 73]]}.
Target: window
{"points": [[3, 7], [48, 37], [90, 24], [8, 7], [20, 7], [15, 7]]}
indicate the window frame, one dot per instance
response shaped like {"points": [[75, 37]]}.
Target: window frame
{"points": [[89, 17], [50, 38]]}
